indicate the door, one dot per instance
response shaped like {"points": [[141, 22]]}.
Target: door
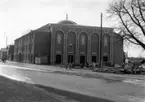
{"points": [[58, 59], [70, 58], [82, 59], [94, 59]]}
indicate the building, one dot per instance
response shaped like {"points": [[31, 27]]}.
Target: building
{"points": [[10, 54], [31, 46], [3, 53], [67, 42]]}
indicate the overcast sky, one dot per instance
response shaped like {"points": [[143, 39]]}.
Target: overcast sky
{"points": [[17, 17]]}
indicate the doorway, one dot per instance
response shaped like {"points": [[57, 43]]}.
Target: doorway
{"points": [[105, 58], [82, 59], [94, 59], [58, 59], [70, 58]]}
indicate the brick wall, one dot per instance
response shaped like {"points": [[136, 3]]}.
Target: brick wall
{"points": [[118, 50]]}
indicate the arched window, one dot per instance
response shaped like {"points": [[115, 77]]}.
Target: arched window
{"points": [[83, 39], [106, 39], [58, 38]]}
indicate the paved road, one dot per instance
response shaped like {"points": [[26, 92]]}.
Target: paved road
{"points": [[119, 91]]}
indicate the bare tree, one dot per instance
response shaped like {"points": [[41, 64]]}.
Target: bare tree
{"points": [[130, 15]]}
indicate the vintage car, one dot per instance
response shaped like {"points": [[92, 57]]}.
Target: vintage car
{"points": [[134, 67]]}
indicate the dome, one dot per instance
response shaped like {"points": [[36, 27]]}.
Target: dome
{"points": [[67, 22]]}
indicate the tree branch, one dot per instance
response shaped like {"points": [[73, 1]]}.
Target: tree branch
{"points": [[140, 11], [130, 17], [127, 12], [129, 39], [139, 24], [139, 42]]}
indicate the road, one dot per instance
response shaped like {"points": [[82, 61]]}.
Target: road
{"points": [[117, 91]]}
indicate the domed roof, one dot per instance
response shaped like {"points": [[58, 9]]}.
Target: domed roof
{"points": [[67, 22]]}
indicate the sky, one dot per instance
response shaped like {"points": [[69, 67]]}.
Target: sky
{"points": [[17, 17]]}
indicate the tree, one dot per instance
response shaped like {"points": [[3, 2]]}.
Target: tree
{"points": [[130, 15]]}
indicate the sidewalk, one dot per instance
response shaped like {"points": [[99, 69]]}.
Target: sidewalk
{"points": [[14, 91], [79, 72]]}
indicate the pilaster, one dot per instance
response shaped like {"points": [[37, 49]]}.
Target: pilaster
{"points": [[65, 49], [112, 48], [52, 48], [77, 49], [100, 44], [89, 50]]}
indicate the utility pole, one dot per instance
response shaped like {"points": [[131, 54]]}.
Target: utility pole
{"points": [[101, 41]]}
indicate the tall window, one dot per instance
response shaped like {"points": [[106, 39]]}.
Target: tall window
{"points": [[30, 47], [83, 40], [105, 40], [58, 39]]}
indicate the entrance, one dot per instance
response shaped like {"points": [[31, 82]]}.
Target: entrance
{"points": [[70, 58], [58, 59], [94, 59], [82, 59], [105, 58]]}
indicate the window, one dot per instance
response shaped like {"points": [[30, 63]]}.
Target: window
{"points": [[30, 47], [83, 40], [105, 40], [58, 39], [32, 36]]}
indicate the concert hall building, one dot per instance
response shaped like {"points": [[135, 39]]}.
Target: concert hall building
{"points": [[68, 42]]}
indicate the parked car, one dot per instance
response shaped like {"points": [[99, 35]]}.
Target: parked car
{"points": [[134, 67]]}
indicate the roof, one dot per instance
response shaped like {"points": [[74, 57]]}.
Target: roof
{"points": [[67, 22]]}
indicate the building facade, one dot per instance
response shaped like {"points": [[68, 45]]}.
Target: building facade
{"points": [[31, 46], [10, 54], [3, 53], [67, 42]]}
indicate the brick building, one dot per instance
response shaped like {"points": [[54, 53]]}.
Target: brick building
{"points": [[66, 41], [10, 54], [3, 53], [31, 46]]}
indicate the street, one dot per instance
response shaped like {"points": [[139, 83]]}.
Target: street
{"points": [[121, 90]]}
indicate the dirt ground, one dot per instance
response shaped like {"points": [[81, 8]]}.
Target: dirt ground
{"points": [[15, 91]]}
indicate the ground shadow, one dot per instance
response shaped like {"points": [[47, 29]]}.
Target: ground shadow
{"points": [[74, 96]]}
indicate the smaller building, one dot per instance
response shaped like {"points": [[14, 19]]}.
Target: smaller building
{"points": [[10, 54], [33, 48], [3, 53]]}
